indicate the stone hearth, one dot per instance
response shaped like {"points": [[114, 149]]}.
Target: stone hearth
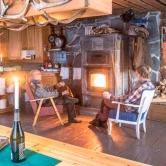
{"points": [[104, 54]]}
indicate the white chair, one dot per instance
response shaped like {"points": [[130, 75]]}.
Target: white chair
{"points": [[135, 118]]}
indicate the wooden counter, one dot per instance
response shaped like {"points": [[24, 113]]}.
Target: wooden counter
{"points": [[9, 75], [9, 107], [21, 75], [69, 154]]}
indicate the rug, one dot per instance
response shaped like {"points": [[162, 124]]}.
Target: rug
{"points": [[32, 159]]}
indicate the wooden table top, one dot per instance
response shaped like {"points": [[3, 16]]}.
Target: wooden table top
{"points": [[70, 155]]}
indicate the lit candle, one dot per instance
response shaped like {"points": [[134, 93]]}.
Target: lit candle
{"points": [[16, 94]]}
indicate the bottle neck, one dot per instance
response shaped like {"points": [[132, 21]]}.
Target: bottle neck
{"points": [[16, 115]]}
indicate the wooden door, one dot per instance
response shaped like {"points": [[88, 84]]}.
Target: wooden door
{"points": [[38, 43], [28, 38], [41, 38], [4, 44], [24, 36], [45, 33], [14, 45], [31, 37]]}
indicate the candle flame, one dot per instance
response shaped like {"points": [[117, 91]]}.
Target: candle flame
{"points": [[15, 79]]}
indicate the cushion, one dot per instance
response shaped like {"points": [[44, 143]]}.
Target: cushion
{"points": [[124, 115]]}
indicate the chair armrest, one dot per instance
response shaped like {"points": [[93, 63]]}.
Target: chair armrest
{"points": [[131, 105], [42, 98]]}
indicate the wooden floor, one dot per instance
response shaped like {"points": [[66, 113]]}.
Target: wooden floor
{"points": [[150, 149]]}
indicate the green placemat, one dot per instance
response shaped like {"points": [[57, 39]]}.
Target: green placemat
{"points": [[32, 159]]}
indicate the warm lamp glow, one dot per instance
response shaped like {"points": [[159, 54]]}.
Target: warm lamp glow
{"points": [[15, 79], [98, 80]]}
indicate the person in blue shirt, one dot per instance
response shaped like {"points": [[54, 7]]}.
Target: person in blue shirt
{"points": [[60, 91]]}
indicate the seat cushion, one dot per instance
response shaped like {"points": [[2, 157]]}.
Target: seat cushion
{"points": [[123, 115]]}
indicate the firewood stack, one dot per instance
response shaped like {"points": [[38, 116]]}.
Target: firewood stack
{"points": [[103, 29], [160, 91]]}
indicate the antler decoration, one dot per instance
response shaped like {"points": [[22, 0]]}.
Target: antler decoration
{"points": [[64, 21], [3, 8], [43, 4], [20, 15], [55, 21], [19, 28], [39, 24], [20, 22]]}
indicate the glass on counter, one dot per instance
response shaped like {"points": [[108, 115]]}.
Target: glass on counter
{"points": [[41, 67]]}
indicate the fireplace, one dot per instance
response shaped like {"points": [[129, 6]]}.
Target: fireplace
{"points": [[104, 67], [97, 79]]}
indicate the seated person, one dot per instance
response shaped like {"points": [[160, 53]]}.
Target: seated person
{"points": [[144, 73], [60, 91]]}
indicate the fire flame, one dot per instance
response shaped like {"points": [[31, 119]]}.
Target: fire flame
{"points": [[98, 80]]}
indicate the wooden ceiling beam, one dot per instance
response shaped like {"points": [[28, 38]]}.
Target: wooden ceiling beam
{"points": [[156, 4], [162, 1], [142, 4], [138, 6], [119, 9], [129, 5]]}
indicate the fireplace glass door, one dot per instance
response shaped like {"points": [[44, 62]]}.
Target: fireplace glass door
{"points": [[98, 80]]}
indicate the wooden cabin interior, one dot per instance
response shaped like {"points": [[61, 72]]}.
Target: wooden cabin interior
{"points": [[86, 38]]}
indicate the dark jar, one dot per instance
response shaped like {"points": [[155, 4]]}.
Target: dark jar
{"points": [[46, 64]]}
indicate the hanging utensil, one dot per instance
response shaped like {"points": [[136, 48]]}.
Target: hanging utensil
{"points": [[52, 37], [60, 41]]}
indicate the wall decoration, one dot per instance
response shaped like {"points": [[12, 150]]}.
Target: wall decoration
{"points": [[97, 44]]}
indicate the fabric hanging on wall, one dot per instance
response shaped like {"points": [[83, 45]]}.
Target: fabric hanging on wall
{"points": [[76, 73], [64, 73], [137, 54], [140, 53]]}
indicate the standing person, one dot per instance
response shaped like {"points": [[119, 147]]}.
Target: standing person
{"points": [[144, 73], [60, 91]]}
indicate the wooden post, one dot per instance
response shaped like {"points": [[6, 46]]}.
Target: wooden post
{"points": [[113, 66]]}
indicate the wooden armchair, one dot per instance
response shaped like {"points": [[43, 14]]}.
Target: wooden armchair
{"points": [[133, 118], [42, 111]]}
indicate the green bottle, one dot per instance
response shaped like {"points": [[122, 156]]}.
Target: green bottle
{"points": [[17, 140]]}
